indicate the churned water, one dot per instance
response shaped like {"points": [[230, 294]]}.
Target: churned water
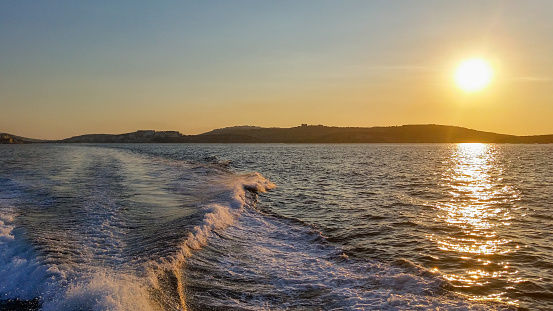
{"points": [[276, 227]]}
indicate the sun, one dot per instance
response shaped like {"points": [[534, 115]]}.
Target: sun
{"points": [[473, 75]]}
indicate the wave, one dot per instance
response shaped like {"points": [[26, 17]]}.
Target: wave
{"points": [[93, 266], [167, 276], [270, 263], [232, 254]]}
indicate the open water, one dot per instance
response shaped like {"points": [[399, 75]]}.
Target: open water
{"points": [[276, 227]]}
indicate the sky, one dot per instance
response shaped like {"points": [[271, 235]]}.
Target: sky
{"points": [[76, 67]]}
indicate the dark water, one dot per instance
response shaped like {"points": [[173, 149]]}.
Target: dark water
{"points": [[348, 227]]}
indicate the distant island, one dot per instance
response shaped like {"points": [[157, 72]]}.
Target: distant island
{"points": [[428, 133]]}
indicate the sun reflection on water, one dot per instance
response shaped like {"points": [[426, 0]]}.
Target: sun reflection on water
{"points": [[478, 204]]}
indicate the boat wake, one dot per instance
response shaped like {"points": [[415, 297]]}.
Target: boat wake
{"points": [[107, 229], [110, 238]]}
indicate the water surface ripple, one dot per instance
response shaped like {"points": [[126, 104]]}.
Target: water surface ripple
{"points": [[368, 227]]}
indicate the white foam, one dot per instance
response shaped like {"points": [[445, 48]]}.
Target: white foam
{"points": [[22, 276], [88, 269], [289, 270], [219, 215], [103, 291], [216, 217], [228, 199]]}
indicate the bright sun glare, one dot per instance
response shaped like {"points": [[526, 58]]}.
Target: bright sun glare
{"points": [[473, 75]]}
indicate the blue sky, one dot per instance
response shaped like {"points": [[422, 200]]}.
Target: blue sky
{"points": [[75, 67]]}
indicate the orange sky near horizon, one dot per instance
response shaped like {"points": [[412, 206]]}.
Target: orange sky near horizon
{"points": [[75, 68]]}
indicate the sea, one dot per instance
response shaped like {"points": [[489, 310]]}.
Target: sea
{"points": [[276, 227]]}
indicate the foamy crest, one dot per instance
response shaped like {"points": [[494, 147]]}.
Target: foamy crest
{"points": [[217, 217], [221, 214], [232, 195], [255, 182]]}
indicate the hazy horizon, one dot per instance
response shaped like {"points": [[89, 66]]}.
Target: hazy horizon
{"points": [[101, 67]]}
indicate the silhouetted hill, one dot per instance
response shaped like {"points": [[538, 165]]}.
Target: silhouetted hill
{"points": [[394, 134], [223, 131], [143, 136], [306, 134], [6, 138]]}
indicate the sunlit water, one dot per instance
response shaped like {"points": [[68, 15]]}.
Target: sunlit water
{"points": [[368, 227]]}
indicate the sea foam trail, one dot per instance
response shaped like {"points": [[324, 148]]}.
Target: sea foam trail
{"points": [[106, 229], [109, 229], [268, 263], [36, 276], [235, 193], [19, 265], [23, 275], [220, 215]]}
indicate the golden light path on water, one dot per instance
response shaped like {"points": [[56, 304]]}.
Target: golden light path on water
{"points": [[477, 210]]}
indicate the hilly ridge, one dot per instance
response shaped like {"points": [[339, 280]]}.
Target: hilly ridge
{"points": [[429, 133], [394, 134], [6, 138]]}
